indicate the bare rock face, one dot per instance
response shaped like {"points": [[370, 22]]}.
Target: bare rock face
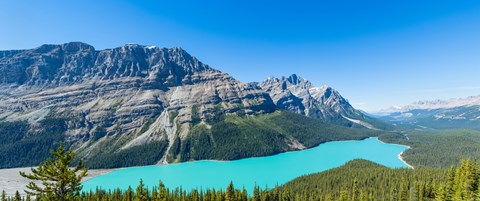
{"points": [[298, 95], [141, 105], [138, 94]]}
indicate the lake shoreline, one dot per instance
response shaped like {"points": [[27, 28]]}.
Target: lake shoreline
{"points": [[218, 160], [10, 181], [400, 157], [262, 170]]}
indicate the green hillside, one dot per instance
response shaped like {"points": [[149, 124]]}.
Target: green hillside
{"points": [[227, 137], [438, 148], [231, 137]]}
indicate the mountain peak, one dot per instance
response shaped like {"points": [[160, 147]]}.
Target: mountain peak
{"points": [[294, 79], [178, 49], [77, 44], [325, 86], [297, 94], [67, 47], [143, 94], [73, 62]]}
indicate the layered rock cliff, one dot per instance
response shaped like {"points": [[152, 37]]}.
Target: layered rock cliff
{"points": [[116, 92]]}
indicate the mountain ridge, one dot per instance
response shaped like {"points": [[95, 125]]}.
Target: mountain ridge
{"points": [[163, 103], [299, 95], [434, 104], [55, 64], [460, 113]]}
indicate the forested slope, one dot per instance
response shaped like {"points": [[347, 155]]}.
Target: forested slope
{"points": [[439, 148]]}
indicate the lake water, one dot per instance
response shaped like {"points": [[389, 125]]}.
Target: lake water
{"points": [[263, 171]]}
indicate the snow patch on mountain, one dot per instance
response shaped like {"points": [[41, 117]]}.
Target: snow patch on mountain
{"points": [[430, 105], [362, 123]]}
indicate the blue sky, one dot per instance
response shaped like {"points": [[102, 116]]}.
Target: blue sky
{"points": [[376, 53]]}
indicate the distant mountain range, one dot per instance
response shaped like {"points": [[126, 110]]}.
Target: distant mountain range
{"points": [[136, 105], [438, 114]]}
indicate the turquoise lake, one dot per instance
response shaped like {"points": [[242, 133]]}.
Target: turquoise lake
{"points": [[263, 171]]}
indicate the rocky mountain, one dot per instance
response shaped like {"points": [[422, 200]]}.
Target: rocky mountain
{"points": [[438, 114], [298, 95], [137, 105]]}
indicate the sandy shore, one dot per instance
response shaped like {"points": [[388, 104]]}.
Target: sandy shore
{"points": [[400, 157], [11, 181]]}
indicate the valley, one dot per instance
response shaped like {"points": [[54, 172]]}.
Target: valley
{"points": [[261, 171], [174, 119], [143, 105], [239, 100]]}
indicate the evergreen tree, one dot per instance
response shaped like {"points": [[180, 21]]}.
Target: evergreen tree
{"points": [[469, 183], [162, 192], [59, 181], [229, 193], [394, 193], [256, 193], [477, 197], [129, 194], [4, 196], [363, 196], [355, 190], [440, 194], [328, 196], [141, 193], [17, 196], [343, 196], [458, 183], [421, 191], [155, 194], [244, 196], [403, 194], [449, 192]]}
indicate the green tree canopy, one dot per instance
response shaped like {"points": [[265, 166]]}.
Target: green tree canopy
{"points": [[59, 181]]}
